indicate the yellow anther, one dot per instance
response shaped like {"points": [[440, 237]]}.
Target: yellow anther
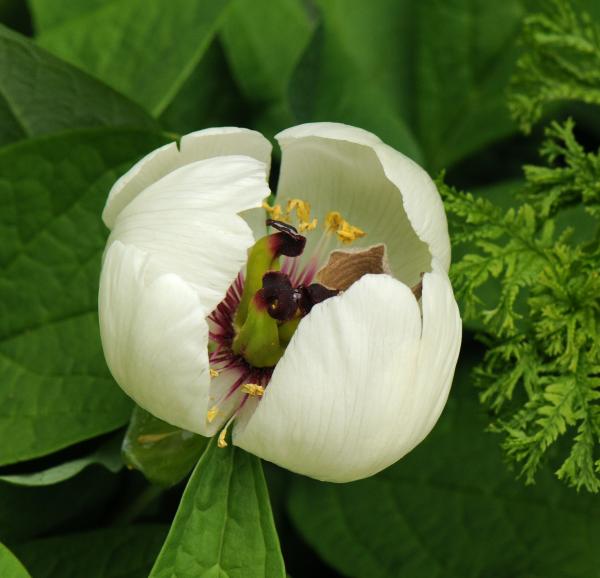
{"points": [[348, 233], [221, 441], [213, 372], [343, 229], [253, 389], [211, 414], [275, 212], [307, 226], [302, 209], [333, 221]]}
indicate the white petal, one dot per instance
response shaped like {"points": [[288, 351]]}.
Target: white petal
{"points": [[440, 346], [338, 405], [154, 337], [341, 168], [188, 222], [193, 147]]}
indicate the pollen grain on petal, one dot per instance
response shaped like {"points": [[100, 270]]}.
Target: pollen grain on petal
{"points": [[213, 372]]}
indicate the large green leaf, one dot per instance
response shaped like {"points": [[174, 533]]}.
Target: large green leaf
{"points": [[55, 389], [436, 69], [110, 553], [41, 94], [107, 455], [263, 41], [29, 512], [164, 453], [209, 97], [224, 526], [146, 50], [451, 509], [10, 567]]}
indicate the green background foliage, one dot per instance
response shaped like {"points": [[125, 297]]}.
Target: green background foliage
{"points": [[92, 486]]}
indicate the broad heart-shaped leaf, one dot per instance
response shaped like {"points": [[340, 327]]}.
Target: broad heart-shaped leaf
{"points": [[224, 526], [121, 552], [440, 67], [40, 94], [55, 389], [451, 509], [164, 453], [10, 567], [145, 50], [108, 455]]}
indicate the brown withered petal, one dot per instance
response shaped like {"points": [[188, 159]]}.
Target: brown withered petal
{"points": [[346, 267]]}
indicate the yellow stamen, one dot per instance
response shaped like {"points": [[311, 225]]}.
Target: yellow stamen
{"points": [[221, 441], [211, 414], [302, 209], [348, 233], [275, 212], [213, 372], [253, 389], [307, 226], [345, 232], [333, 221]]}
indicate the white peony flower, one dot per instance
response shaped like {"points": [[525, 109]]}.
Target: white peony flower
{"points": [[336, 364]]}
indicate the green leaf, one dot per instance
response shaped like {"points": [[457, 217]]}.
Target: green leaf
{"points": [[109, 553], [209, 97], [29, 512], [224, 526], [164, 453], [107, 455], [435, 69], [450, 509], [10, 567], [55, 389], [263, 42], [145, 50], [41, 94]]}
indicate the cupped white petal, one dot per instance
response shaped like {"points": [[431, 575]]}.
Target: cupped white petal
{"points": [[155, 338], [338, 405], [440, 345], [341, 168], [189, 223], [196, 146]]}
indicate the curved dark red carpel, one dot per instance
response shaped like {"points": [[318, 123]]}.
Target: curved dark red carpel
{"points": [[287, 241]]}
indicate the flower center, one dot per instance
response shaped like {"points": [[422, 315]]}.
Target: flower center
{"points": [[252, 326]]}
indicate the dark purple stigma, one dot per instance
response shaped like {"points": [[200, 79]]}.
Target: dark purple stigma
{"points": [[279, 295], [285, 302], [312, 294], [288, 241]]}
